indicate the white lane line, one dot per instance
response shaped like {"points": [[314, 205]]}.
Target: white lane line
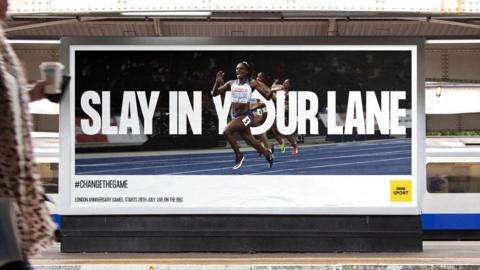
{"points": [[255, 165], [303, 149], [293, 161], [191, 159], [334, 165]]}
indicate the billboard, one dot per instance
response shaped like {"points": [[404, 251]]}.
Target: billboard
{"points": [[169, 126]]}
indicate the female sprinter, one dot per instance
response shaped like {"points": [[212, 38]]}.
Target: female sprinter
{"points": [[241, 90], [286, 87], [259, 110]]}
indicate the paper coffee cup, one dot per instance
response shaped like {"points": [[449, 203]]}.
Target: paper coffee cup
{"points": [[52, 72]]}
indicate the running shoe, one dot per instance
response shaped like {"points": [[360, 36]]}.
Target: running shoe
{"points": [[282, 147], [269, 160], [295, 149], [271, 151], [238, 162]]}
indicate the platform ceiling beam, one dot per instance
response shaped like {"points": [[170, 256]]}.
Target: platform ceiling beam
{"points": [[50, 23], [441, 7]]}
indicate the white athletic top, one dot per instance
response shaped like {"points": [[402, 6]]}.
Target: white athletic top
{"points": [[241, 93]]}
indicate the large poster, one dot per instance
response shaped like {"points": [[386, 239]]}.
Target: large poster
{"points": [[241, 129]]}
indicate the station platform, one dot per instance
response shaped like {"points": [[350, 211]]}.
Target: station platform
{"points": [[436, 255]]}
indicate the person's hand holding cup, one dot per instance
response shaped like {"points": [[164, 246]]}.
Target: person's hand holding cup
{"points": [[52, 74]]}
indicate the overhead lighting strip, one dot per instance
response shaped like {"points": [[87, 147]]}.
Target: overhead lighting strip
{"points": [[169, 14], [32, 41], [453, 41]]}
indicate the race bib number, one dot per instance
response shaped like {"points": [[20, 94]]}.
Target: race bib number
{"points": [[246, 121]]}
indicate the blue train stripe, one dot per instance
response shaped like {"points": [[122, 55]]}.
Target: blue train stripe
{"points": [[451, 221], [429, 221], [57, 219]]}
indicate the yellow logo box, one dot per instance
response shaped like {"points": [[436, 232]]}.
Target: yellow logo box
{"points": [[400, 190]]}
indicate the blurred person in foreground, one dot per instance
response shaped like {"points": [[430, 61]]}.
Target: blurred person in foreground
{"points": [[19, 178]]}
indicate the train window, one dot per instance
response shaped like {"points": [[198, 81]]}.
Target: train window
{"points": [[49, 176], [446, 118], [453, 177]]}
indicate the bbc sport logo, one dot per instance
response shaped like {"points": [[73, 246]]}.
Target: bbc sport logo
{"points": [[400, 190]]}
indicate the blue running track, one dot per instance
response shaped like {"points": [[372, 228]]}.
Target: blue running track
{"points": [[383, 157]]}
